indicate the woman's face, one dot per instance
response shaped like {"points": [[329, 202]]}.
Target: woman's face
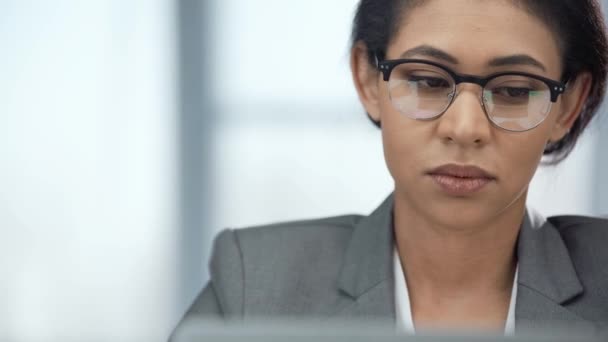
{"points": [[473, 33]]}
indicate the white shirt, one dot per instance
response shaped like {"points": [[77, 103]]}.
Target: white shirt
{"points": [[403, 310]]}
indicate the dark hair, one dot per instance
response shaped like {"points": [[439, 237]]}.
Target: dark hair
{"points": [[579, 24]]}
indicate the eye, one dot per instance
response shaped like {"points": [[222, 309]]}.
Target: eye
{"points": [[514, 92], [431, 82]]}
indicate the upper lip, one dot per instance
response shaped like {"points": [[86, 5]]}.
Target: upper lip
{"points": [[462, 171]]}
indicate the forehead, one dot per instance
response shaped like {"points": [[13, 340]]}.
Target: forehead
{"points": [[476, 31]]}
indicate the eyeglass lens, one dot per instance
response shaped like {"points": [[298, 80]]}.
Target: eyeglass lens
{"points": [[513, 102]]}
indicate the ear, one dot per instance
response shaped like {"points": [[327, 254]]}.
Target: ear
{"points": [[365, 78], [573, 101]]}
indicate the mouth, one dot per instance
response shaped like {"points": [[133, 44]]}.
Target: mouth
{"points": [[461, 180]]}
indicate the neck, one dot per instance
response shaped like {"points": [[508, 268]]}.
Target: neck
{"points": [[455, 261]]}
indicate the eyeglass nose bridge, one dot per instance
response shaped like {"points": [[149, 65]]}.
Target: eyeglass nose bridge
{"points": [[458, 79], [454, 94], [470, 79]]}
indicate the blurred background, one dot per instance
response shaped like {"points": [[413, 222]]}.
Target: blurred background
{"points": [[131, 132]]}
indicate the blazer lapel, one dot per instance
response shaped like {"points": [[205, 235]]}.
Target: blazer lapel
{"points": [[366, 277], [547, 279]]}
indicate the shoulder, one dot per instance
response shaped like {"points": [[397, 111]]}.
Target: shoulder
{"points": [[287, 238], [286, 241], [276, 268], [586, 238], [583, 233]]}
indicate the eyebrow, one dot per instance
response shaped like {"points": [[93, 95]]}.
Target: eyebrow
{"points": [[430, 51], [516, 60]]}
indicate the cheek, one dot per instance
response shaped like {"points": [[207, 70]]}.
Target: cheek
{"points": [[405, 142], [519, 155], [529, 146]]}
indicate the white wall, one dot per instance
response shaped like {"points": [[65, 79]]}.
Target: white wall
{"points": [[87, 199]]}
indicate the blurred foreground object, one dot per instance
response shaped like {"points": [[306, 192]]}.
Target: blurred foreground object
{"points": [[209, 331]]}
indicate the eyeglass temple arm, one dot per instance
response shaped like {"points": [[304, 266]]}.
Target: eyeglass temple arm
{"points": [[378, 57]]}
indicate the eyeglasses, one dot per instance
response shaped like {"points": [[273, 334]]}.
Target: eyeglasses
{"points": [[514, 101]]}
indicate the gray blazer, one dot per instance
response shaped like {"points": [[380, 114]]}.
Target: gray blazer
{"points": [[341, 267]]}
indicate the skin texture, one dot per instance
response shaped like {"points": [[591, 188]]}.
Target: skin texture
{"points": [[458, 251]]}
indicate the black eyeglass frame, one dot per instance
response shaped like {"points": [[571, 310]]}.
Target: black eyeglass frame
{"points": [[555, 87]]}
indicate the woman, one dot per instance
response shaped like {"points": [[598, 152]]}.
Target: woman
{"points": [[469, 96]]}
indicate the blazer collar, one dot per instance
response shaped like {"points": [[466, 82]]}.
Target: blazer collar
{"points": [[547, 278], [367, 261], [544, 262]]}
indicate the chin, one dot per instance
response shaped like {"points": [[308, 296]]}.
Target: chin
{"points": [[464, 214], [457, 213]]}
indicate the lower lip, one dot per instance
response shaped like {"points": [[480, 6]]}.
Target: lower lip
{"points": [[457, 186]]}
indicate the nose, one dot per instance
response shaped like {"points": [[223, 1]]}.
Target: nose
{"points": [[464, 122]]}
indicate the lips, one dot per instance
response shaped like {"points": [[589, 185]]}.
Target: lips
{"points": [[461, 180], [462, 171]]}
